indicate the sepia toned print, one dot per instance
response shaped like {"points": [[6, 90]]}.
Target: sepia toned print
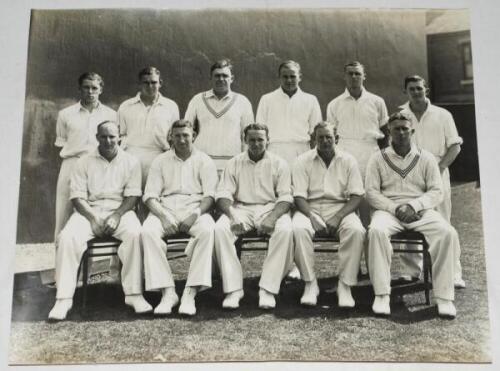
{"points": [[182, 44]]}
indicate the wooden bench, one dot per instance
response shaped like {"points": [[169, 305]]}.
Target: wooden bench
{"points": [[243, 243]]}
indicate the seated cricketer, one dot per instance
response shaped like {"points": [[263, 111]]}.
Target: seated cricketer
{"points": [[327, 188], [254, 194], [180, 192], [403, 185], [105, 187]]}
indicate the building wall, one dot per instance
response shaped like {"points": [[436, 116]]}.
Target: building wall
{"points": [[446, 68], [454, 91], [183, 44]]}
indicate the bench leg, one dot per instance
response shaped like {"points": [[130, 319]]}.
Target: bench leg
{"points": [[85, 275], [427, 273], [238, 244]]}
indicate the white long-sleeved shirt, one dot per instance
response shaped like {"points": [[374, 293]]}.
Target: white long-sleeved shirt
{"points": [[392, 180], [358, 119], [180, 185], [289, 119], [257, 183], [105, 183], [436, 131], [312, 180], [146, 126], [76, 128]]}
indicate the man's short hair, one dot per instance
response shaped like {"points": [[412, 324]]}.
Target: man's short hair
{"points": [[399, 116], [101, 124], [256, 126], [324, 124], [354, 64], [147, 71], [414, 78], [222, 63], [182, 123], [289, 64], [90, 76]]}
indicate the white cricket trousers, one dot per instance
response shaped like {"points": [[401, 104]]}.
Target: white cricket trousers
{"points": [[64, 206], [157, 272], [279, 253], [441, 237], [413, 262], [73, 243], [351, 235]]}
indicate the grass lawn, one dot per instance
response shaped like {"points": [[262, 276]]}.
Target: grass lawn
{"points": [[110, 332]]}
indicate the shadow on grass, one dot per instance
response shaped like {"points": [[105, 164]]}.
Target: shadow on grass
{"points": [[106, 303]]}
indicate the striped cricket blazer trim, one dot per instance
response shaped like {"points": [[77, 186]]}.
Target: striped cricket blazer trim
{"points": [[402, 172], [223, 111]]}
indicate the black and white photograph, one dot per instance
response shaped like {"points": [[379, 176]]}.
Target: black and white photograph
{"points": [[250, 184]]}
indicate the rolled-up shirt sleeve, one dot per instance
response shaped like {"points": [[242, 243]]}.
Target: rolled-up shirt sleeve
{"points": [[315, 116], [262, 109], [227, 185], [383, 116], [79, 180], [134, 181], [284, 183], [247, 116], [373, 183], [154, 183], [209, 178], [434, 193], [450, 131], [61, 132], [331, 116], [354, 179]]}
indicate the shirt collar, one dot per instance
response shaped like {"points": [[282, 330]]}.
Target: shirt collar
{"points": [[297, 93], [210, 94], [173, 155], [96, 153], [248, 159], [82, 108], [413, 151], [337, 155], [160, 100], [430, 106], [346, 93]]}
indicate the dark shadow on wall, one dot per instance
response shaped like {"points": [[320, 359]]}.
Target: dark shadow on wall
{"points": [[117, 43]]}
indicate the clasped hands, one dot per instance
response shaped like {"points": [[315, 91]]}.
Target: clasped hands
{"points": [[328, 228], [266, 226], [172, 226], [105, 226], [407, 214]]}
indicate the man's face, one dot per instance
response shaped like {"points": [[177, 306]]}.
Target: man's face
{"points": [[257, 142], [150, 85], [325, 139], [90, 90], [416, 91], [354, 77], [290, 79], [182, 139], [222, 78], [108, 137], [401, 132]]}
